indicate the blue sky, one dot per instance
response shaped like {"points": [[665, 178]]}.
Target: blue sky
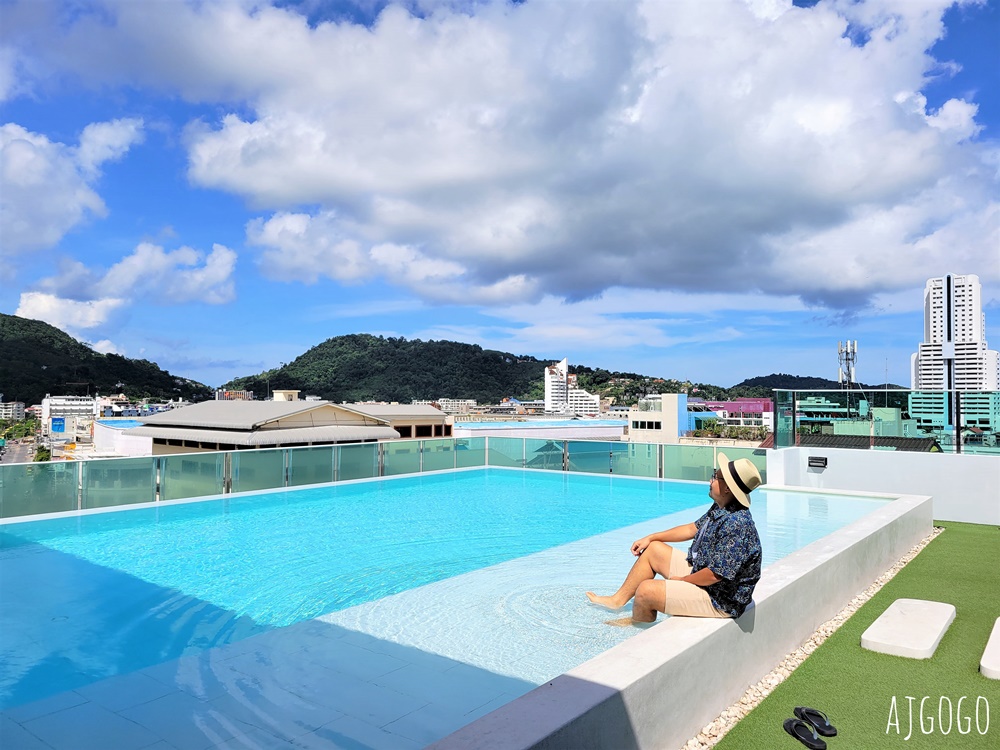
{"points": [[696, 190]]}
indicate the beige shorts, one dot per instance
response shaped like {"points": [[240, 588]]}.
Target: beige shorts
{"points": [[685, 599]]}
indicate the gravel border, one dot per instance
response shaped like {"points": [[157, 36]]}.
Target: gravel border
{"points": [[717, 729]]}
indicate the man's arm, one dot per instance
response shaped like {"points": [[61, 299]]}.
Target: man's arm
{"points": [[704, 577], [677, 534]]}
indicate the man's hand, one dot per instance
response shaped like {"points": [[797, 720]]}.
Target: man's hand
{"points": [[639, 546]]}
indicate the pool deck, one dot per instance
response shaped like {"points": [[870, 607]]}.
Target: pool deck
{"points": [[324, 684]]}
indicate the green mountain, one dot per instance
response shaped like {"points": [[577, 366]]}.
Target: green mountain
{"points": [[36, 358], [362, 367], [798, 383]]}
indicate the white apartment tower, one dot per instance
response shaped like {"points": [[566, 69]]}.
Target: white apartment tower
{"points": [[562, 394], [954, 354]]}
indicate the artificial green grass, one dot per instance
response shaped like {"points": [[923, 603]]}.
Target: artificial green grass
{"points": [[855, 687]]}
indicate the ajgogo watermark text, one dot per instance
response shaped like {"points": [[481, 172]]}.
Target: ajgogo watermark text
{"points": [[940, 715]]}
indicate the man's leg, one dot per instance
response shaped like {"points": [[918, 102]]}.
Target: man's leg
{"points": [[654, 559]]}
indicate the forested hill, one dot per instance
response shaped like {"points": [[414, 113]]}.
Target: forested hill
{"points": [[36, 358], [796, 383], [362, 367]]}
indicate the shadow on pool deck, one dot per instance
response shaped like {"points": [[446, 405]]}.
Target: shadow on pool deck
{"points": [[241, 684], [61, 631], [312, 683]]}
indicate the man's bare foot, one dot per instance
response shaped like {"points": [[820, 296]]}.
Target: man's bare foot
{"points": [[623, 622], [604, 601]]}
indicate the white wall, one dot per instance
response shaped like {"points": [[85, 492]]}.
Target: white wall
{"points": [[116, 441], [964, 487]]}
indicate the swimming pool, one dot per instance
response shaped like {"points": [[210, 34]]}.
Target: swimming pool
{"points": [[90, 596]]}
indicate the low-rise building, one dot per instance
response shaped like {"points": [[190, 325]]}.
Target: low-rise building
{"points": [[244, 424], [744, 412], [66, 417], [450, 405], [660, 418], [12, 411]]}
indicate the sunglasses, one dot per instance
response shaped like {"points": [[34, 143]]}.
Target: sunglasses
{"points": [[717, 477]]}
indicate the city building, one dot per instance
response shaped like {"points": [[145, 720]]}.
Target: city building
{"points": [[12, 411], [63, 417], [243, 424], [409, 420], [658, 418], [954, 354], [450, 405], [563, 396], [744, 412], [221, 395]]}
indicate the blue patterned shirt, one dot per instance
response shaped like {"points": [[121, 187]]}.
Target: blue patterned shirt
{"points": [[727, 543]]}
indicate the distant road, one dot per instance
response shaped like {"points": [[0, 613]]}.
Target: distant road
{"points": [[19, 454]]}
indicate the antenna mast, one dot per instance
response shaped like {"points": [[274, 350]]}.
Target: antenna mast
{"points": [[847, 354]]}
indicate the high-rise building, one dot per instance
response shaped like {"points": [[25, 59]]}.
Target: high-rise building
{"points": [[562, 394], [954, 353]]}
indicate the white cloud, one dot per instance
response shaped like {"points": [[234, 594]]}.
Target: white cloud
{"points": [[76, 297], [48, 187], [505, 152], [106, 141], [299, 247], [106, 346], [68, 314]]}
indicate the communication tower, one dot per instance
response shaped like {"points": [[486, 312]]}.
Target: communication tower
{"points": [[847, 354]]}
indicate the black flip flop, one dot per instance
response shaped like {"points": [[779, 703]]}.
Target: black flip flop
{"points": [[803, 731], [818, 719]]}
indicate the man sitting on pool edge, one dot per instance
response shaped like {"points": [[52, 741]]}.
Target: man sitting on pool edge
{"points": [[717, 577]]}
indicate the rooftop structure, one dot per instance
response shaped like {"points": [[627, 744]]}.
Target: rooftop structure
{"points": [[229, 425]]}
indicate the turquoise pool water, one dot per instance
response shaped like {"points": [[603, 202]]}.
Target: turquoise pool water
{"points": [[90, 596]]}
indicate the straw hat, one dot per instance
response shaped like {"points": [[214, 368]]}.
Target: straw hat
{"points": [[741, 477]]}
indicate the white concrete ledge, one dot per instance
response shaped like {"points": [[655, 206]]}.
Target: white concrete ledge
{"points": [[912, 628], [989, 665], [658, 689]]}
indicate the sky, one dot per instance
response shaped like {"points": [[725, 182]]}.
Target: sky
{"points": [[706, 190]]}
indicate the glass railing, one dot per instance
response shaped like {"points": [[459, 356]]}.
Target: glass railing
{"points": [[39, 488], [890, 419]]}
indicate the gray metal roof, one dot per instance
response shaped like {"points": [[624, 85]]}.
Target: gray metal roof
{"points": [[396, 411], [325, 434], [232, 415]]}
